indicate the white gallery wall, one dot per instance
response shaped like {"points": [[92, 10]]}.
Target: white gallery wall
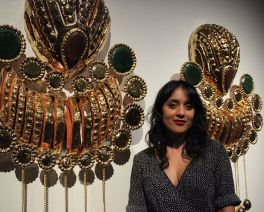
{"points": [[158, 31]]}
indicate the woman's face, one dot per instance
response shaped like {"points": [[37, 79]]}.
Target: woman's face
{"points": [[177, 112]]}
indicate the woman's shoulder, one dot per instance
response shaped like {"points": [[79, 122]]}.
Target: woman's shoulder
{"points": [[215, 147], [146, 153], [213, 143], [147, 161]]}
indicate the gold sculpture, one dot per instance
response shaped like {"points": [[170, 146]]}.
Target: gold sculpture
{"points": [[66, 106], [232, 110]]}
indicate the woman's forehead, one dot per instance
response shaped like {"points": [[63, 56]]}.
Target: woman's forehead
{"points": [[179, 93]]}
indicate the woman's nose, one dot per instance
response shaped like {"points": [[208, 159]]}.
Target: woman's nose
{"points": [[180, 111], [181, 116]]}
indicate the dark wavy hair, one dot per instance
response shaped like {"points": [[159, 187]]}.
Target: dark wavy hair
{"points": [[196, 138]]}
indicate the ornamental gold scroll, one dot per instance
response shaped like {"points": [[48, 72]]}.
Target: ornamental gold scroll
{"points": [[66, 106], [233, 119]]}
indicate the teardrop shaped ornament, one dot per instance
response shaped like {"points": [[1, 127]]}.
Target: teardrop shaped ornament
{"points": [[74, 48]]}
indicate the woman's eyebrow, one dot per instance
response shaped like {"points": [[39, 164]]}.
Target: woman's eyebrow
{"points": [[188, 102], [177, 101], [173, 101]]}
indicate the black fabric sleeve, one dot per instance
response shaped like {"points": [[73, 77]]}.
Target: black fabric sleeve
{"points": [[225, 192], [136, 201]]}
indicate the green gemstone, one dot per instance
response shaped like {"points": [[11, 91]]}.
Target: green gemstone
{"points": [[66, 162], [122, 140], [103, 155], [252, 136], [32, 70], [10, 44], [208, 91], [245, 145], [247, 83], [230, 104], [238, 96], [122, 59], [86, 160], [229, 152], [192, 73], [257, 102], [46, 160], [238, 150], [81, 85], [5, 139], [135, 88], [219, 102], [258, 121], [99, 72], [55, 81], [24, 156], [133, 117]]}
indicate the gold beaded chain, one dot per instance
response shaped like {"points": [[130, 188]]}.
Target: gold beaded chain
{"points": [[24, 192], [46, 194], [66, 192], [104, 205], [237, 178], [245, 175], [85, 191]]}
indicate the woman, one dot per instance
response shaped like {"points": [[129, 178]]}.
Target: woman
{"points": [[182, 170]]}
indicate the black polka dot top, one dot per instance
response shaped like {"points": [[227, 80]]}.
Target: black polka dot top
{"points": [[206, 185]]}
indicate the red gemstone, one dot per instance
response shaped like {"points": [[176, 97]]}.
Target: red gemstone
{"points": [[75, 48], [229, 76]]}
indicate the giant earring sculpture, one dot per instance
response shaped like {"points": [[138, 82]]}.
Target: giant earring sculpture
{"points": [[65, 106], [233, 111]]}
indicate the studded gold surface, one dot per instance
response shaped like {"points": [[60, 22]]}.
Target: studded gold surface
{"points": [[232, 110]]}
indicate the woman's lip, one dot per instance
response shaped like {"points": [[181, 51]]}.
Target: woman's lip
{"points": [[178, 122]]}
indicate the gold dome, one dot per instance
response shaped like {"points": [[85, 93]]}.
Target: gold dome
{"points": [[66, 34]]}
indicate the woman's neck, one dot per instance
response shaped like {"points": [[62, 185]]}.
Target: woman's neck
{"points": [[175, 140]]}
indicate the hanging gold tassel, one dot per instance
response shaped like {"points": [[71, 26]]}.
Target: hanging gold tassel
{"points": [[66, 192], [246, 202], [237, 185], [237, 178], [85, 191], [24, 192], [104, 205], [46, 193]]}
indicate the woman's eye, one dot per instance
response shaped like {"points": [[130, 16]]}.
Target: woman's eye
{"points": [[189, 106], [172, 105]]}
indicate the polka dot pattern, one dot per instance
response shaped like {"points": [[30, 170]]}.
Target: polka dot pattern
{"points": [[206, 185]]}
